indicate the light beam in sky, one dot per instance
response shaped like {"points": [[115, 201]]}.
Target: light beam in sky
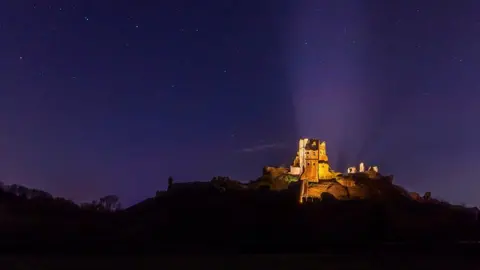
{"points": [[359, 76], [332, 98]]}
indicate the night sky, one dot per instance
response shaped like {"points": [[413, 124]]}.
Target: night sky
{"points": [[112, 97]]}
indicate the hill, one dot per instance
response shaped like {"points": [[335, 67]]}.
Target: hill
{"points": [[256, 217], [226, 216]]}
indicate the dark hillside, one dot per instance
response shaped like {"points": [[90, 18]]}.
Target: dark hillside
{"points": [[212, 217]]}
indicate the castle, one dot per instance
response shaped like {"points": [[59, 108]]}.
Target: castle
{"points": [[317, 178], [311, 178]]}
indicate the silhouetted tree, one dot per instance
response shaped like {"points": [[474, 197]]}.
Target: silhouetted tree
{"points": [[25, 192], [110, 203], [94, 206]]}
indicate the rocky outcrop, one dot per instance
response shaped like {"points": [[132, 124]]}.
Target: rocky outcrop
{"points": [[415, 196], [274, 171], [358, 186], [325, 188], [358, 192]]}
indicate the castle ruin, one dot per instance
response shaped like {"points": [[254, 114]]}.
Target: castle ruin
{"points": [[317, 178]]}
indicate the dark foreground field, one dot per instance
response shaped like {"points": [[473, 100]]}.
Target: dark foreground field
{"points": [[253, 262], [389, 232]]}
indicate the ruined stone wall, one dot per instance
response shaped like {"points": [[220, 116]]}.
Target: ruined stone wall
{"points": [[322, 189], [322, 152], [274, 171], [309, 153], [311, 171], [346, 182], [295, 170], [324, 171]]}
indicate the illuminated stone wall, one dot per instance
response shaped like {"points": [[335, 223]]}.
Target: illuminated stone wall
{"points": [[311, 163], [324, 171], [347, 182], [308, 156], [333, 189]]}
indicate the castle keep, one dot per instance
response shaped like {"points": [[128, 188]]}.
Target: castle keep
{"points": [[317, 178], [311, 161]]}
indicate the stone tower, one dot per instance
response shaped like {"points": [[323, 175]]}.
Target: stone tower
{"points": [[308, 152], [312, 161], [324, 171]]}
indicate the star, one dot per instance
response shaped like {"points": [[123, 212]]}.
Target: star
{"points": [[21, 57], [136, 26], [224, 71], [86, 18]]}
